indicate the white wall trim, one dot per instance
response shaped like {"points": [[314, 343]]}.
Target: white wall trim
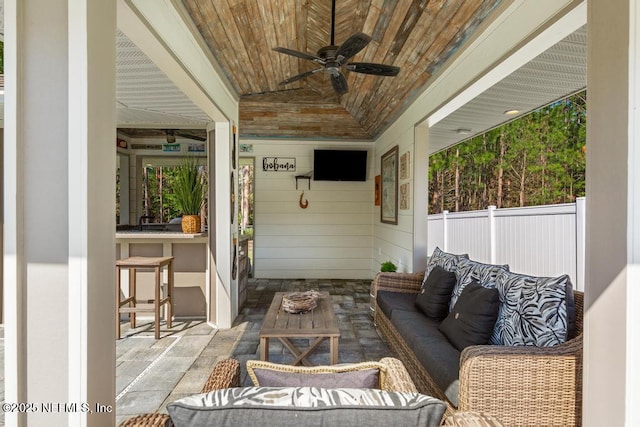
{"points": [[420, 196], [13, 269], [632, 416]]}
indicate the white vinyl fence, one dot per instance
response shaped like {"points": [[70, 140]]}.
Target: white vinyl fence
{"points": [[538, 240]]}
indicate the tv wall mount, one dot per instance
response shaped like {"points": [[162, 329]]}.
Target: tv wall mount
{"points": [[304, 177]]}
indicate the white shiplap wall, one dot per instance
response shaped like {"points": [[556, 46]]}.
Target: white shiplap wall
{"points": [[332, 238], [395, 242]]}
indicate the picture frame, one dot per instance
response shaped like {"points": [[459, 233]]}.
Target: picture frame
{"points": [[389, 187], [405, 196], [405, 165]]}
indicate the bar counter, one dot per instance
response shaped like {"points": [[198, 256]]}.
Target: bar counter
{"points": [[190, 267]]}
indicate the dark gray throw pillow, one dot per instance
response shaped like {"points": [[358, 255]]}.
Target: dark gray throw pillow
{"points": [[433, 298], [473, 317]]}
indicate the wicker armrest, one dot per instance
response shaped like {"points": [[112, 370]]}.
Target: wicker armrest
{"points": [[398, 378], [225, 374], [397, 282], [148, 420], [471, 419], [521, 384]]}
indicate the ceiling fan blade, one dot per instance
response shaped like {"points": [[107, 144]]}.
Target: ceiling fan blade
{"points": [[300, 76], [299, 54], [339, 83], [375, 69], [190, 136], [352, 46]]}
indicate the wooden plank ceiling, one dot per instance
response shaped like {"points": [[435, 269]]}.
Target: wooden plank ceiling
{"points": [[416, 35]]}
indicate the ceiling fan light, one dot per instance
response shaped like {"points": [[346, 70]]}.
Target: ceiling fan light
{"points": [[171, 137]]}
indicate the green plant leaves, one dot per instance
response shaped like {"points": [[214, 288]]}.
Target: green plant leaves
{"points": [[188, 187]]}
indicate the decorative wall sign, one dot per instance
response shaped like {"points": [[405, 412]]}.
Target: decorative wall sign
{"points": [[146, 147], [233, 197], [405, 165], [195, 148], [389, 187], [279, 164], [171, 148], [405, 196], [377, 190], [246, 148], [233, 148], [234, 262]]}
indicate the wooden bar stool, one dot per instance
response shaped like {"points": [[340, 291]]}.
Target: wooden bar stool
{"points": [[133, 263]]}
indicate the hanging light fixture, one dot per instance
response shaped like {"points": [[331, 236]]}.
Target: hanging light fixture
{"points": [[171, 136]]}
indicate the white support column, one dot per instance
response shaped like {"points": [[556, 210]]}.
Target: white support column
{"points": [[60, 209], [491, 214], [420, 196], [124, 189], [212, 276], [612, 288], [445, 230], [221, 283], [581, 231]]}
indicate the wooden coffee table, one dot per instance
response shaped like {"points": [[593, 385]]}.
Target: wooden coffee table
{"points": [[320, 323]]}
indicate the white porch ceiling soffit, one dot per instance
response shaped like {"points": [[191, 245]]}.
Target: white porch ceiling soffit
{"points": [[558, 71], [146, 97]]}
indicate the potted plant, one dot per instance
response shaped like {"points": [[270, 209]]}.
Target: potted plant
{"points": [[188, 194], [388, 266]]}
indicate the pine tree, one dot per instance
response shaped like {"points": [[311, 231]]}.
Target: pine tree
{"points": [[534, 160]]}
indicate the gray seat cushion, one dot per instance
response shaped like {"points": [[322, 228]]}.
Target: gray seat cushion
{"points": [[443, 360], [432, 349], [389, 301], [414, 325], [305, 406]]}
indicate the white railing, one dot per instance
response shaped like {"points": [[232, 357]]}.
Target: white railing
{"points": [[538, 240]]}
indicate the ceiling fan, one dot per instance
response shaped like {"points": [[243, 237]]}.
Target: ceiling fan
{"points": [[172, 133], [332, 58]]}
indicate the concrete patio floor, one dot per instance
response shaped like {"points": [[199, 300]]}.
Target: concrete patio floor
{"points": [[150, 373]]}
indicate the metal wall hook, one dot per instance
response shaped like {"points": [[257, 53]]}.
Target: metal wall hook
{"points": [[304, 204]]}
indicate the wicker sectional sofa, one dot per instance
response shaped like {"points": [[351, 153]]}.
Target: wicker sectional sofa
{"points": [[520, 384], [225, 377]]}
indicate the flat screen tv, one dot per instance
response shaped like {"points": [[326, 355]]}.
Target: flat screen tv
{"points": [[340, 165]]}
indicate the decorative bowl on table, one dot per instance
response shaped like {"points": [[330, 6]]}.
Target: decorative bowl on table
{"points": [[300, 302]]}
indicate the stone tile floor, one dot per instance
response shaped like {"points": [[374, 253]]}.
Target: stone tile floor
{"points": [[150, 373]]}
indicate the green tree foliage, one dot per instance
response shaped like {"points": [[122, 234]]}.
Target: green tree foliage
{"points": [[157, 190], [537, 159], [246, 197]]}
